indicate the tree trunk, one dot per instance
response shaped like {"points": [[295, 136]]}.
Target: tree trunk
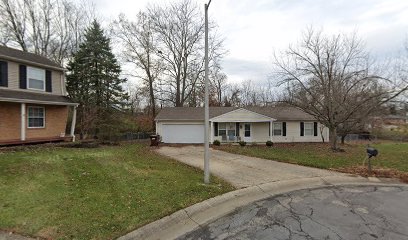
{"points": [[342, 138], [333, 138], [152, 102]]}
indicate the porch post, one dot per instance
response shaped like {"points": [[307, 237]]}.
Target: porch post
{"points": [[270, 130], [23, 122], [211, 132], [73, 122]]}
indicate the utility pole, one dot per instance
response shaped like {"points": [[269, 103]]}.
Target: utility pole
{"points": [[206, 107]]}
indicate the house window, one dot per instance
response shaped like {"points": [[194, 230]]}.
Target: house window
{"points": [[36, 117], [277, 129], [308, 129], [35, 78], [222, 129], [247, 130]]}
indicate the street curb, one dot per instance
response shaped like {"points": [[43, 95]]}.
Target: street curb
{"points": [[193, 217]]}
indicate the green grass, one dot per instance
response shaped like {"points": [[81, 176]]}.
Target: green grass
{"points": [[100, 193], [391, 155]]}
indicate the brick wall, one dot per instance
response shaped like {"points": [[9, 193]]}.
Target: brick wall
{"points": [[10, 120]]}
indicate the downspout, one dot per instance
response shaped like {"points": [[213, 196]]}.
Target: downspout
{"points": [[62, 81], [73, 122], [23, 122]]}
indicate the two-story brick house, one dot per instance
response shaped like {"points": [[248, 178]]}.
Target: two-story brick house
{"points": [[33, 102]]}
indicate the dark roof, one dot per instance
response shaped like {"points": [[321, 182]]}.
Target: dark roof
{"points": [[191, 113], [27, 57], [17, 96], [282, 113]]}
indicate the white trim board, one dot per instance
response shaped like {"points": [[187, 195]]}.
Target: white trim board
{"points": [[220, 117]]}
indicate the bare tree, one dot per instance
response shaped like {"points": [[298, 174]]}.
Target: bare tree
{"points": [[140, 49], [266, 94], [180, 31], [136, 98], [218, 85], [331, 79], [232, 96], [52, 28]]}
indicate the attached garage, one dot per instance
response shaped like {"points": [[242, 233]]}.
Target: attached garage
{"points": [[182, 133]]}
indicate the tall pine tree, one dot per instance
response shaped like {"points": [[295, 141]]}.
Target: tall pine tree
{"points": [[94, 82]]}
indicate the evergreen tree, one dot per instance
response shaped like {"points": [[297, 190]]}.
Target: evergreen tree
{"points": [[94, 82]]}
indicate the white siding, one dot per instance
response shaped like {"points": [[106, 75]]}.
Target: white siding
{"points": [[241, 115], [260, 132], [293, 134], [14, 79]]}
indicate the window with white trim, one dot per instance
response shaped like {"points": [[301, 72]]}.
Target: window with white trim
{"points": [[308, 129], [222, 129], [36, 117], [35, 78], [247, 128], [277, 129]]}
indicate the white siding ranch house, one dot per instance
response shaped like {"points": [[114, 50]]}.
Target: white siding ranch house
{"points": [[233, 124]]}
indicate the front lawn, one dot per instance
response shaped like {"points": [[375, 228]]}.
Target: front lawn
{"points": [[391, 155], [98, 193]]}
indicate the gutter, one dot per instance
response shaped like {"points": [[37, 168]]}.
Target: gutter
{"points": [[37, 102]]}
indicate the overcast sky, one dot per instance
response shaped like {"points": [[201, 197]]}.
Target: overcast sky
{"points": [[254, 29]]}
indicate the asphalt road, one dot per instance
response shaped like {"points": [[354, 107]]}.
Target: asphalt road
{"points": [[327, 213]]}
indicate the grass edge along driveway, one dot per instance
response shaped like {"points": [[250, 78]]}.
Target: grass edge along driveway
{"points": [[99, 193], [392, 160]]}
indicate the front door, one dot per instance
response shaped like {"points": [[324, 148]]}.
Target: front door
{"points": [[247, 132]]}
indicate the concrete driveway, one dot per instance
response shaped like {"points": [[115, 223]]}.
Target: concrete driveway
{"points": [[242, 171]]}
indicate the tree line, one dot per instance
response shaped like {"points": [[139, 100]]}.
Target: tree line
{"points": [[331, 77]]}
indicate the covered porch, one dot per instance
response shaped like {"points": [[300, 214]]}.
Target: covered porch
{"points": [[241, 125]]}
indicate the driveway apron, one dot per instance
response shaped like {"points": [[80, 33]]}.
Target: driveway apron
{"points": [[242, 171]]}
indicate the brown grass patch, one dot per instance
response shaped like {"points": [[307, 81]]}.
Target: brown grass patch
{"points": [[378, 172]]}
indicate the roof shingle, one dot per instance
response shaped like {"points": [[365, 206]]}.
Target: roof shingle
{"points": [[197, 114], [11, 95], [26, 56]]}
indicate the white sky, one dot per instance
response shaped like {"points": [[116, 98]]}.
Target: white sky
{"points": [[254, 29]]}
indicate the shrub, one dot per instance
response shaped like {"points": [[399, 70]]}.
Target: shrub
{"points": [[242, 143], [216, 143], [269, 143]]}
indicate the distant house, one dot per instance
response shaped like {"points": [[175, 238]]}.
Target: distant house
{"points": [[231, 124], [33, 102], [389, 122]]}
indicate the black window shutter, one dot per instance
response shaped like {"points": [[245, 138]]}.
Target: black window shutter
{"points": [[284, 129], [216, 129], [302, 129], [48, 81], [23, 76], [237, 129], [3, 74], [315, 128]]}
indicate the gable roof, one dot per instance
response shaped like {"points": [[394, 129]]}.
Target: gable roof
{"points": [[31, 97], [283, 113], [236, 114], [190, 113], [26, 57], [197, 114]]}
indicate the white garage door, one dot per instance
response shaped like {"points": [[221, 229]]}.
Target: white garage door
{"points": [[183, 133]]}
